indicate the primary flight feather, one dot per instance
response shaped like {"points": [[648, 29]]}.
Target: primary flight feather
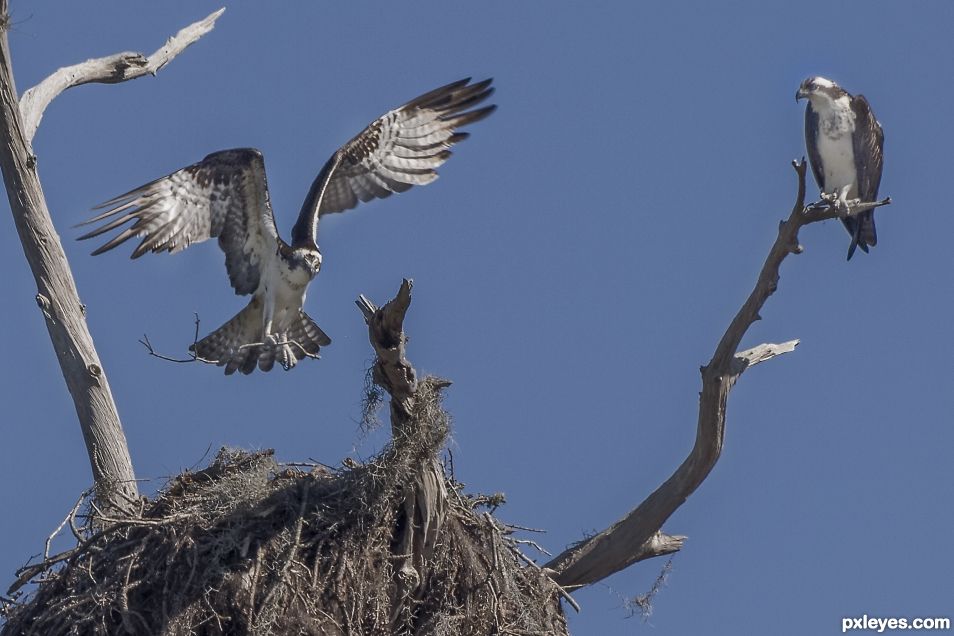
{"points": [[225, 196]]}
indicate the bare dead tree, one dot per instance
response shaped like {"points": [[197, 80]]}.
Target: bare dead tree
{"points": [[394, 543], [56, 295], [638, 535], [419, 427]]}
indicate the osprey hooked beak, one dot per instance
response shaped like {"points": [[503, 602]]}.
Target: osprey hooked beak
{"points": [[812, 85]]}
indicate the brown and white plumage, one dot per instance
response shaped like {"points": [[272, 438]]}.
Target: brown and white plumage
{"points": [[225, 196], [846, 150]]}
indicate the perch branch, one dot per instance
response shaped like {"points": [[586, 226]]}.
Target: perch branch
{"points": [[57, 296], [111, 69], [636, 536]]}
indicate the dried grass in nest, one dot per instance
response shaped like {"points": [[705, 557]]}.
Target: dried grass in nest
{"points": [[248, 546]]}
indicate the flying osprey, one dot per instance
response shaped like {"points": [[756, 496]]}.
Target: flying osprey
{"points": [[845, 147], [226, 196]]}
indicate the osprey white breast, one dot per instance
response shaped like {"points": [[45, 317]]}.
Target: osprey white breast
{"points": [[845, 147], [836, 126]]}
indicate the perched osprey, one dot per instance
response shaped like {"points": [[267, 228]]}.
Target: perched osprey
{"points": [[845, 147], [226, 196]]}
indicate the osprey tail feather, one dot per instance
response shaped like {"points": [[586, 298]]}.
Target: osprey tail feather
{"points": [[862, 230], [238, 345]]}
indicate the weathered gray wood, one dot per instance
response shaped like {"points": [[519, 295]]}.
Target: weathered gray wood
{"points": [[391, 371], [415, 440], [751, 357], [637, 536], [112, 69], [57, 296]]}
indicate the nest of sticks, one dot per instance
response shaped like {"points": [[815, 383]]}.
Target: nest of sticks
{"points": [[249, 546]]}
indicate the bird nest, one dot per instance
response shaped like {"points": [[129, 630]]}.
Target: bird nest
{"points": [[251, 546]]}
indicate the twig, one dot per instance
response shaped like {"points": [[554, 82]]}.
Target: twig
{"points": [[67, 519], [637, 535], [292, 550], [112, 69], [194, 357], [562, 591], [27, 572], [536, 546], [514, 526]]}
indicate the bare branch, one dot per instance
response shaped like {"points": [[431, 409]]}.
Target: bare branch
{"points": [[70, 518], [636, 536], [761, 353], [56, 295], [829, 207], [112, 69]]}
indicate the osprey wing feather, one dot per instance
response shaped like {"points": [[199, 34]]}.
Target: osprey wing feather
{"points": [[400, 149], [868, 143], [226, 196]]}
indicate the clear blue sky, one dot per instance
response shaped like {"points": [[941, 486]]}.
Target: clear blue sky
{"points": [[574, 266]]}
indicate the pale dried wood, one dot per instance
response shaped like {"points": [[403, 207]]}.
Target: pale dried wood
{"points": [[424, 507], [637, 536], [761, 353], [391, 371], [56, 295], [111, 69]]}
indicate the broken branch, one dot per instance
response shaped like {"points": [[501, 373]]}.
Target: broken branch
{"points": [[637, 536], [111, 69]]}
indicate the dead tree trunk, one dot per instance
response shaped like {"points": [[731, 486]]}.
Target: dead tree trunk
{"points": [[417, 439], [638, 535], [57, 295]]}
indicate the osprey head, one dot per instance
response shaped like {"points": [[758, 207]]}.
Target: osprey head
{"points": [[302, 258], [312, 259], [818, 87]]}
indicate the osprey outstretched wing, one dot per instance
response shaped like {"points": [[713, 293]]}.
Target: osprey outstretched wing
{"points": [[400, 149], [225, 196]]}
